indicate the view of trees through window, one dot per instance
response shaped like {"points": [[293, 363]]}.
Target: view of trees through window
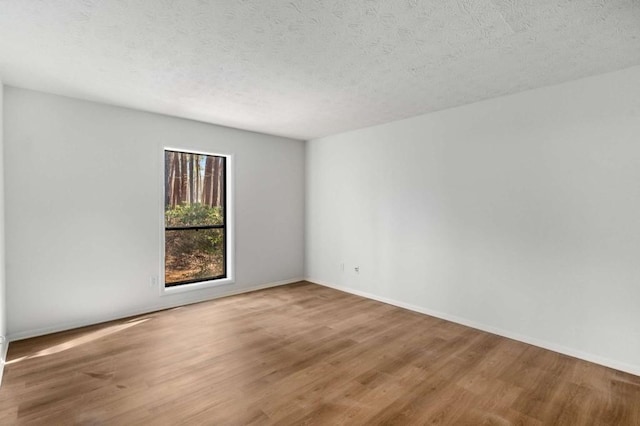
{"points": [[194, 217]]}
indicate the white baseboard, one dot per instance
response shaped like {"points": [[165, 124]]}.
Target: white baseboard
{"points": [[4, 347], [616, 365], [229, 291]]}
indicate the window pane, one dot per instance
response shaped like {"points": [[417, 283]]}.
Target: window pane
{"points": [[194, 189], [194, 255]]}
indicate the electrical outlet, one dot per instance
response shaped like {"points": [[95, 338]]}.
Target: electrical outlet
{"points": [[153, 282], [357, 269], [342, 267]]}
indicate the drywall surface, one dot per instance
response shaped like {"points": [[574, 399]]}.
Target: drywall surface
{"points": [[3, 323], [517, 214], [84, 203]]}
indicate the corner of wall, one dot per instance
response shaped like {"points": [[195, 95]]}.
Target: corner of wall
{"points": [[4, 345]]}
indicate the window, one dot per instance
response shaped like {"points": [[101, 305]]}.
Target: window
{"points": [[196, 237]]}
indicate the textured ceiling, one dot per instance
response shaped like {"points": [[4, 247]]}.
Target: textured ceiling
{"points": [[305, 68]]}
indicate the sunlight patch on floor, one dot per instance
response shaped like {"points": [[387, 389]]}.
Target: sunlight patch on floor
{"points": [[90, 337]]}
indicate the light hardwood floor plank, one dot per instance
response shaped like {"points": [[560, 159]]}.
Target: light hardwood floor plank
{"points": [[303, 354]]}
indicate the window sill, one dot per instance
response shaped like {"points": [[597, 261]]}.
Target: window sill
{"points": [[195, 286]]}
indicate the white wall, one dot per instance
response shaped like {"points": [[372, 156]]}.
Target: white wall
{"points": [[519, 215], [84, 203], [3, 322]]}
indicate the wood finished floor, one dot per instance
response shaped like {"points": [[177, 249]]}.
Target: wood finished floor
{"points": [[303, 354]]}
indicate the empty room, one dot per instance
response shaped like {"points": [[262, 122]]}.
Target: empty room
{"points": [[321, 212]]}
